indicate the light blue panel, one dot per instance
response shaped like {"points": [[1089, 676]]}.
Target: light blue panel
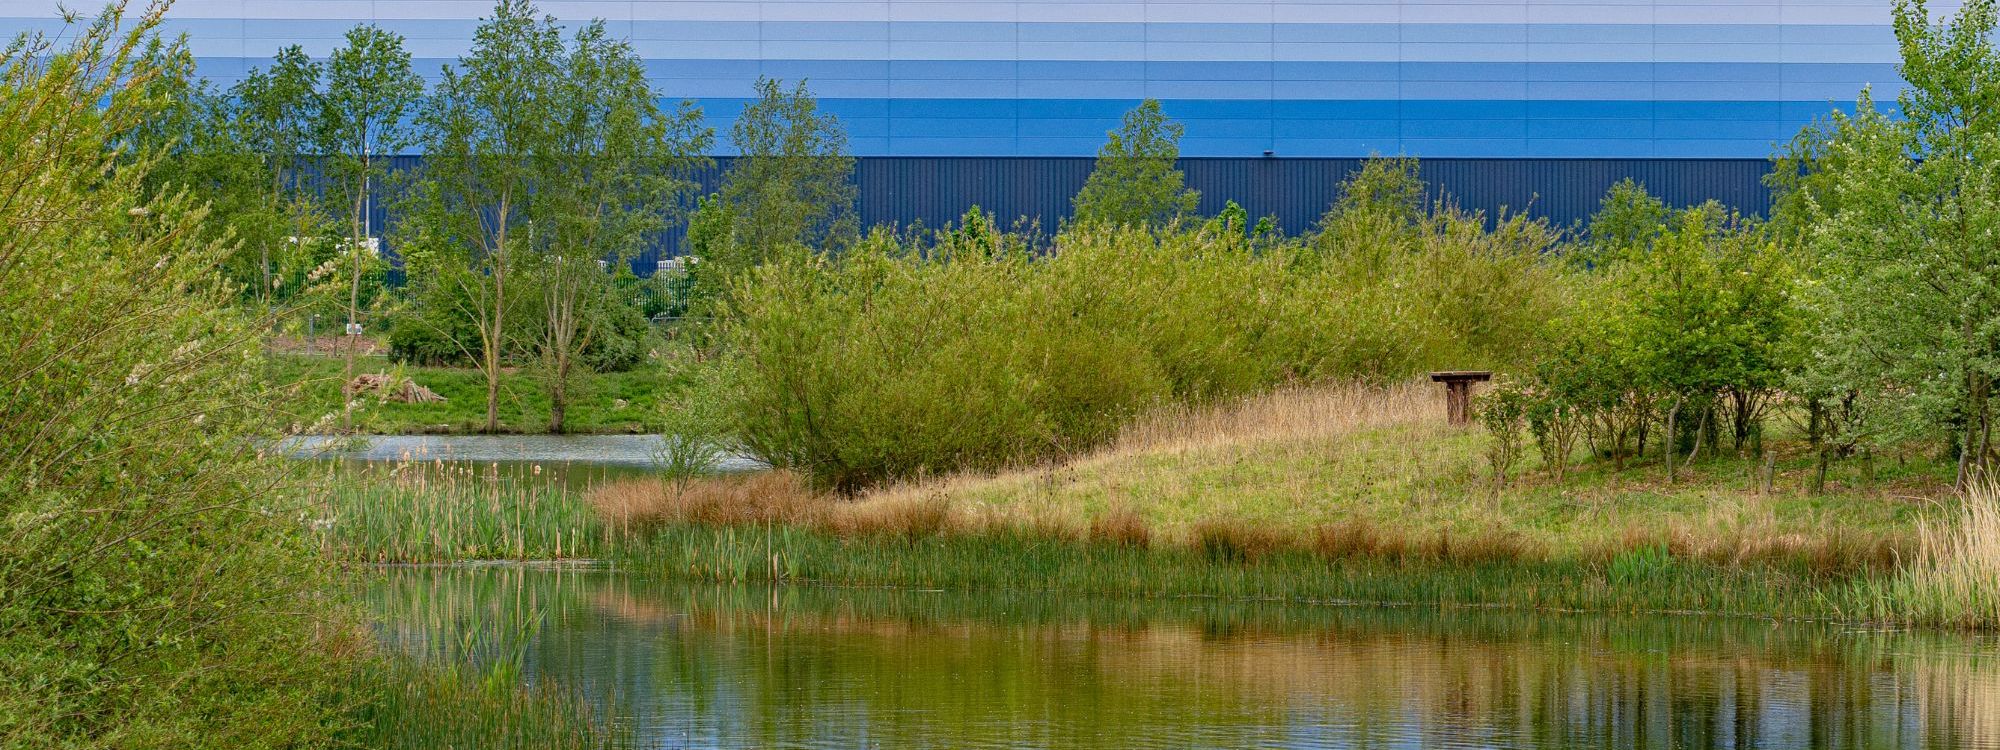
{"points": [[731, 70], [1513, 52], [1121, 51], [952, 69], [811, 49], [958, 88], [1209, 33], [1629, 110], [952, 127], [923, 146], [1590, 33], [1459, 110], [1336, 146], [1713, 148], [1572, 71], [1077, 109], [941, 31], [1722, 129], [1665, 52], [1464, 147], [1358, 51], [1429, 128], [1718, 33], [1589, 90], [1198, 146], [1373, 129], [1619, 52], [1079, 146], [792, 70], [824, 30], [1208, 50], [954, 108], [1351, 110], [1209, 89], [1335, 89], [862, 88], [1082, 69], [696, 30], [1736, 72], [1230, 128], [1209, 71], [1081, 32], [1517, 90], [1215, 109], [1716, 111], [1091, 89], [1336, 71], [1323, 33], [1725, 91], [1038, 127], [960, 50], [1592, 148], [1461, 34], [1443, 71], [1591, 128], [1841, 72]]}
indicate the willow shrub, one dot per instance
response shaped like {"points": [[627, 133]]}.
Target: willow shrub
{"points": [[970, 351], [156, 590]]}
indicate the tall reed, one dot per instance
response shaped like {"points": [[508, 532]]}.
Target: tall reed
{"points": [[435, 511], [1955, 578]]}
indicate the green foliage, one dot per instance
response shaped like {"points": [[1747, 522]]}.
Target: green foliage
{"points": [[1895, 214], [791, 184], [1627, 222], [1136, 181], [623, 167], [1503, 412], [907, 356], [156, 587]]}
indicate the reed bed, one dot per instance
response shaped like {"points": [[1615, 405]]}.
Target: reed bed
{"points": [[424, 512], [1100, 524], [406, 705], [1954, 579]]}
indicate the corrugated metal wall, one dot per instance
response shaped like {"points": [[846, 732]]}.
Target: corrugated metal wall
{"points": [[936, 190]]}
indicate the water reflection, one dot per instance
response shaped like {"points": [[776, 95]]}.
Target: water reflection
{"points": [[802, 667]]}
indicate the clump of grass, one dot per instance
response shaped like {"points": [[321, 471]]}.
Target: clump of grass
{"points": [[1954, 579], [1121, 525], [400, 703], [750, 499], [419, 512], [1236, 540]]}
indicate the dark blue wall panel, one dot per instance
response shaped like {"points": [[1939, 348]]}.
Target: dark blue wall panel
{"points": [[937, 190]]}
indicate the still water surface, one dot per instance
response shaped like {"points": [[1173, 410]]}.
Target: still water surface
{"points": [[718, 667], [578, 460]]}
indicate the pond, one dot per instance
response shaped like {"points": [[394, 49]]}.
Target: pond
{"points": [[690, 666], [575, 459]]}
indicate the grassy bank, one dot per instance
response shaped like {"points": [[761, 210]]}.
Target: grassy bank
{"points": [[1345, 493], [307, 391]]}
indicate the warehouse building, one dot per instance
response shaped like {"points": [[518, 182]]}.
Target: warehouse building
{"points": [[1534, 105]]}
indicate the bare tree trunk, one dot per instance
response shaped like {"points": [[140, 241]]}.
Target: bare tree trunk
{"points": [[497, 326], [353, 306], [1667, 440]]}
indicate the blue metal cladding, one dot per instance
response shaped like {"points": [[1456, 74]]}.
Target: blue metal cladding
{"points": [[1574, 79], [938, 190]]}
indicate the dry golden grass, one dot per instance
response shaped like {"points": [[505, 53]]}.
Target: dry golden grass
{"points": [[1341, 471], [1955, 577]]}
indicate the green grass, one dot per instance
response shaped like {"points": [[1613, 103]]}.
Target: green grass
{"points": [[307, 390], [1638, 581]]}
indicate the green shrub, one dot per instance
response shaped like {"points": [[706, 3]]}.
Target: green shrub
{"points": [[973, 351], [156, 586]]}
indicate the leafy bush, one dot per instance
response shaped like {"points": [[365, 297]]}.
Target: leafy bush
{"points": [[969, 350], [156, 586]]}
